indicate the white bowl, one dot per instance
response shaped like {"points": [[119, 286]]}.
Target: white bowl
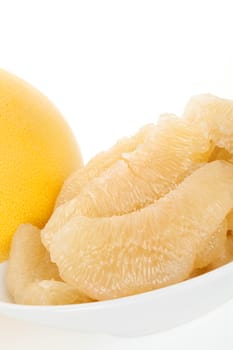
{"points": [[141, 314]]}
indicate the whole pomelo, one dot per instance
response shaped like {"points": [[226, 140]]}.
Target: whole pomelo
{"points": [[37, 153]]}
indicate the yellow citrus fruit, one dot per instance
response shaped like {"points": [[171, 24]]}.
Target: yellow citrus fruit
{"points": [[37, 152]]}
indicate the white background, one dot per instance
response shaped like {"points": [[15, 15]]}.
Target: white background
{"points": [[111, 67]]}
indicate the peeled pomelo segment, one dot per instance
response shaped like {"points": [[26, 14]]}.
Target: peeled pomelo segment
{"points": [[98, 164], [227, 256], [213, 247], [151, 139], [220, 153], [198, 272], [226, 253], [215, 117], [230, 221], [50, 292], [28, 259], [114, 193], [213, 252], [31, 276], [170, 152], [156, 246], [224, 257]]}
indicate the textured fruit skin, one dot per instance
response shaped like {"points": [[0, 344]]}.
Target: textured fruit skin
{"points": [[37, 153], [161, 244]]}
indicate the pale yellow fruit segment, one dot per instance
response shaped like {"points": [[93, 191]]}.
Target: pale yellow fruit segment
{"points": [[225, 256], [230, 221], [50, 292], [31, 277], [212, 248], [170, 152], [215, 250], [214, 116], [141, 150], [98, 164], [116, 256], [28, 260]]}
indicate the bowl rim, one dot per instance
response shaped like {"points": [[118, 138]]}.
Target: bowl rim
{"points": [[95, 305]]}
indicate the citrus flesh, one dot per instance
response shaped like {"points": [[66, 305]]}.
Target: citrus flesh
{"points": [[31, 277], [214, 116], [170, 151], [98, 164], [150, 248]]}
